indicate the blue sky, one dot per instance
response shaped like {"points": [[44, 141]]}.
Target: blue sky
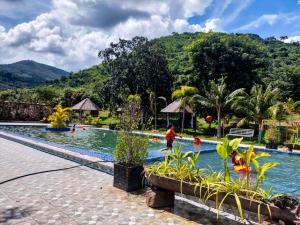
{"points": [[69, 33], [279, 11]]}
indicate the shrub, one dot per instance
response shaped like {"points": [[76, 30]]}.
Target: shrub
{"points": [[90, 120], [59, 117], [273, 136], [131, 150]]}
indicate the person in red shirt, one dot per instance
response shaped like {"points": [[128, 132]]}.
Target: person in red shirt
{"points": [[170, 137]]}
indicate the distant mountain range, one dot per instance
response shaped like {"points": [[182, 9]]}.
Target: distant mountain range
{"points": [[27, 73]]}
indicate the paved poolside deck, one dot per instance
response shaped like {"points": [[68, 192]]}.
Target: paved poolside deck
{"points": [[78, 195]]}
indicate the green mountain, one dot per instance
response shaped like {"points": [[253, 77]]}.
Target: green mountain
{"points": [[27, 73]]}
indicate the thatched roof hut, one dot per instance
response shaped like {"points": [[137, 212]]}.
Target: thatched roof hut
{"points": [[86, 105], [175, 107]]}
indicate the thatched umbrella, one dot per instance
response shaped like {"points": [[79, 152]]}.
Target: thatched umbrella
{"points": [[86, 105], [176, 107]]}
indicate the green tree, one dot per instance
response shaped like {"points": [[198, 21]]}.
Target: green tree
{"points": [[257, 105], [136, 67], [185, 94], [291, 106], [233, 56], [217, 96]]}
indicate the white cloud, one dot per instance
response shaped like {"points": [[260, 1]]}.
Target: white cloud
{"points": [[269, 19], [73, 31], [214, 24], [293, 38]]}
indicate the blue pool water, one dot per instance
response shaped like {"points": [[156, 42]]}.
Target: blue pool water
{"points": [[283, 179], [100, 141]]}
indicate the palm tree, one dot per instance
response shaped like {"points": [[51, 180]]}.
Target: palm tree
{"points": [[185, 93], [218, 97], [257, 105], [291, 106]]}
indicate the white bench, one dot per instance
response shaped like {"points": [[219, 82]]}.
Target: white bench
{"points": [[241, 132]]}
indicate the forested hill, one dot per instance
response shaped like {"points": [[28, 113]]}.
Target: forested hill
{"points": [[191, 59], [275, 60], [27, 73]]}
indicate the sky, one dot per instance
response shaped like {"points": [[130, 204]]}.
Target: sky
{"points": [[69, 33]]}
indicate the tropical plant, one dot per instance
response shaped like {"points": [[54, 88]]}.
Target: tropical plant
{"points": [[273, 136], [256, 106], [261, 170], [224, 150], [250, 157], [218, 97], [59, 117], [291, 107], [184, 94], [294, 139], [213, 185]]}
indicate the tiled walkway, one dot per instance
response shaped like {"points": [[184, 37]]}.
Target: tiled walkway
{"points": [[75, 196]]}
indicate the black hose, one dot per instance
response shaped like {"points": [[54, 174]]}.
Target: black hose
{"points": [[48, 171]]}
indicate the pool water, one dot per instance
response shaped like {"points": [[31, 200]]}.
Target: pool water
{"points": [[284, 178], [103, 141]]}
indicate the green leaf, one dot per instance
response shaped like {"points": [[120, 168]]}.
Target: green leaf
{"points": [[239, 205], [222, 151], [235, 143]]}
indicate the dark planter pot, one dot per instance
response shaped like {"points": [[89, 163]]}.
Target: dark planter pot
{"points": [[59, 129], [292, 146], [170, 184], [272, 145], [128, 178], [112, 126]]}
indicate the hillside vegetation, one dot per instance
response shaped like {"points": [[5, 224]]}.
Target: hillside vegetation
{"points": [[191, 59]]}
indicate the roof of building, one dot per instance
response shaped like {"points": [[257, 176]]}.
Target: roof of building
{"points": [[86, 105], [175, 107]]}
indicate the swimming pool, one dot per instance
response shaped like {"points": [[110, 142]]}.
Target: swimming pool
{"points": [[284, 179], [95, 140]]}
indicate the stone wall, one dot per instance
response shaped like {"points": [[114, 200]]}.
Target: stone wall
{"points": [[21, 111]]}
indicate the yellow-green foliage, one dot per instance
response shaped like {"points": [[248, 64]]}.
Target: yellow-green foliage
{"points": [[96, 121], [59, 117]]}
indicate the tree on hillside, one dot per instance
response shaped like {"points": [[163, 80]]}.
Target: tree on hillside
{"points": [[136, 67], [217, 96], [185, 94], [235, 57], [257, 105]]}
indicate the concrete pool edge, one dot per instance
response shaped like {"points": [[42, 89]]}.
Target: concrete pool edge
{"points": [[85, 160]]}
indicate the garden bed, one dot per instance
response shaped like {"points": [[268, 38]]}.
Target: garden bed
{"points": [[251, 205]]}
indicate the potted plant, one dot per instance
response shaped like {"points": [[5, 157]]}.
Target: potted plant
{"points": [[131, 150], [272, 138], [179, 172], [59, 119]]}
